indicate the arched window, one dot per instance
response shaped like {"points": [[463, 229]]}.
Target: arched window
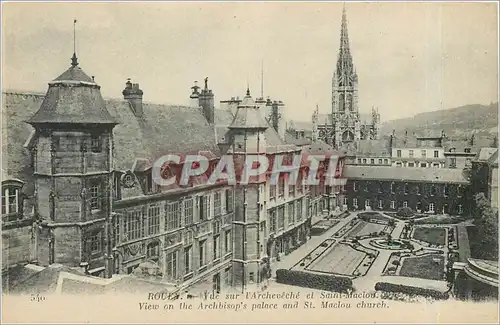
{"points": [[153, 251]]}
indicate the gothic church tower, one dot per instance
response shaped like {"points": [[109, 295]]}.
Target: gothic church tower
{"points": [[345, 110]]}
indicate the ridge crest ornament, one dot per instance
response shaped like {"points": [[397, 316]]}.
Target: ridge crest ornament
{"points": [[128, 180]]}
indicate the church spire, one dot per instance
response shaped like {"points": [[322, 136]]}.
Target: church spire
{"points": [[344, 62]]}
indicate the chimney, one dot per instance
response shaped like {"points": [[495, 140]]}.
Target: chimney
{"points": [[195, 95], [275, 115], [206, 99], [133, 94]]}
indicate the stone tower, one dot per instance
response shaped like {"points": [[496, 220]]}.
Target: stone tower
{"points": [[246, 134], [345, 110], [72, 174]]}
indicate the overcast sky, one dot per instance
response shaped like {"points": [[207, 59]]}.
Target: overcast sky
{"points": [[410, 57]]}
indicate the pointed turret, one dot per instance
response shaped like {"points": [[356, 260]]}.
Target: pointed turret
{"points": [[247, 115], [73, 97], [345, 67]]}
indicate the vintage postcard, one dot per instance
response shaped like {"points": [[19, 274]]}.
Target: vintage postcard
{"points": [[265, 162]]}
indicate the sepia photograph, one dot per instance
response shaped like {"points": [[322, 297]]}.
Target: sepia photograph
{"points": [[306, 162]]}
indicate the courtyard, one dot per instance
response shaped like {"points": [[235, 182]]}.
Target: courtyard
{"points": [[433, 236], [340, 259], [425, 267], [367, 249]]}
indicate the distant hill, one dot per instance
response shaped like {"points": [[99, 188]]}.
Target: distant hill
{"points": [[459, 121]]}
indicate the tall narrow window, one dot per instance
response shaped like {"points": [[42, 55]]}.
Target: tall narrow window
{"points": [[188, 211], [272, 220], [201, 253], [431, 207], [216, 253], [272, 191], [281, 217], [227, 241], [281, 187], [188, 256], [217, 204], [95, 195], [95, 243], [95, 144], [229, 201], [173, 216], [172, 264], [291, 213], [154, 219]]}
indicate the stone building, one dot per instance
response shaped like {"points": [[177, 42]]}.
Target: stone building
{"points": [[78, 189], [434, 191], [484, 174], [422, 151]]}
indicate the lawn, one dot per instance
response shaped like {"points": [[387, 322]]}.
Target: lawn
{"points": [[439, 219], [341, 259], [433, 236], [429, 267], [365, 228]]}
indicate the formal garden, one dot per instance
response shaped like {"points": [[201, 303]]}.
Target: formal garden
{"points": [[423, 247]]}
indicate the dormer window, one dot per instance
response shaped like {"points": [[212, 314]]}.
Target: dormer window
{"points": [[95, 144]]}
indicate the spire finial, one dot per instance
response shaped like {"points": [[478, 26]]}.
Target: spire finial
{"points": [[74, 59]]}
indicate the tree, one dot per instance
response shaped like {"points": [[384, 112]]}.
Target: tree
{"points": [[486, 223]]}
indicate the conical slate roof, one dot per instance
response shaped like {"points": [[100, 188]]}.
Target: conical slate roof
{"points": [[73, 97], [247, 115]]}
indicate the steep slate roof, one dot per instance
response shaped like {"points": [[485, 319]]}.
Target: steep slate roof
{"points": [[292, 139], [73, 97], [247, 115], [434, 175], [486, 153], [494, 159], [74, 73], [224, 117], [374, 148], [162, 129]]}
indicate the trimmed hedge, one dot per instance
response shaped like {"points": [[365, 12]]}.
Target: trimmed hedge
{"points": [[313, 281], [405, 213], [390, 287]]}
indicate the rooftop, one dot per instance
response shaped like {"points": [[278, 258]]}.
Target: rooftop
{"points": [[431, 175]]}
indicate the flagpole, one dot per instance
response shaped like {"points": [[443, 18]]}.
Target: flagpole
{"points": [[74, 36]]}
